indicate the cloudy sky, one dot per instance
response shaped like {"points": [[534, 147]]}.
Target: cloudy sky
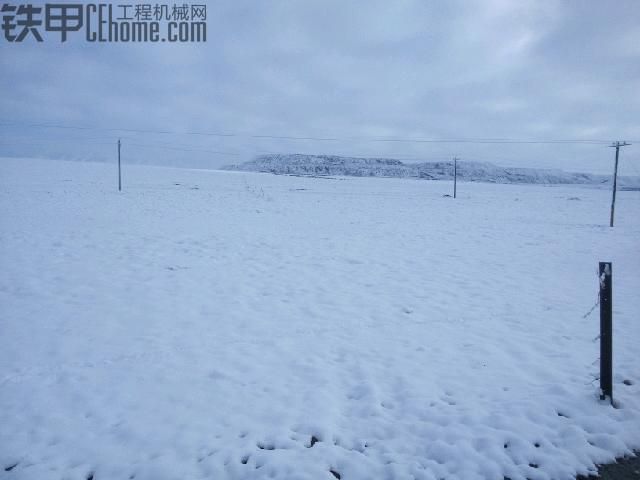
{"points": [[362, 78]]}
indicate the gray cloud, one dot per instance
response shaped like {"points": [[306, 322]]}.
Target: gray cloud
{"points": [[350, 69]]}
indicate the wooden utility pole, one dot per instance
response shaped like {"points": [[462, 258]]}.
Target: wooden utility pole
{"points": [[617, 146], [119, 171], [455, 176]]}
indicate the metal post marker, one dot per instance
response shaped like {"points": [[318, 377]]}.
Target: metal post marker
{"points": [[606, 332]]}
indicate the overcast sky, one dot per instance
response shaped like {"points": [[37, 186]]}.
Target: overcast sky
{"points": [[350, 71]]}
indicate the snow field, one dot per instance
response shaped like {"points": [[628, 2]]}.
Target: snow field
{"points": [[205, 324]]}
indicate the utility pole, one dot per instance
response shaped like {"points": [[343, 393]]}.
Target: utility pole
{"points": [[617, 146], [455, 176], [119, 171]]}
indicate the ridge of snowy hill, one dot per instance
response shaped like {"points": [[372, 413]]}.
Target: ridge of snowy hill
{"points": [[321, 165]]}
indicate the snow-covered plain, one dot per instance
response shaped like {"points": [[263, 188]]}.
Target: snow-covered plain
{"points": [[205, 324]]}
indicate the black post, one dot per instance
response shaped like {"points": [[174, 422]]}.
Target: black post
{"points": [[119, 173], [606, 332]]}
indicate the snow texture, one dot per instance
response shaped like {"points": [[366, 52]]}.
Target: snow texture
{"points": [[317, 165], [233, 325]]}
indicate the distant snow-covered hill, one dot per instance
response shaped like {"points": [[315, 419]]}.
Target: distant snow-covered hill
{"points": [[322, 165]]}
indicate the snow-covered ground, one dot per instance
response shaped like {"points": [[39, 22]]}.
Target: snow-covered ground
{"points": [[205, 324]]}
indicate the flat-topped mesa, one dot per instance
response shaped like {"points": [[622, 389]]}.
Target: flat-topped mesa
{"points": [[335, 165]]}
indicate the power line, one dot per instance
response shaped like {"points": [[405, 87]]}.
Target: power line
{"points": [[45, 142], [323, 139], [90, 143], [130, 130], [495, 141], [182, 149]]}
